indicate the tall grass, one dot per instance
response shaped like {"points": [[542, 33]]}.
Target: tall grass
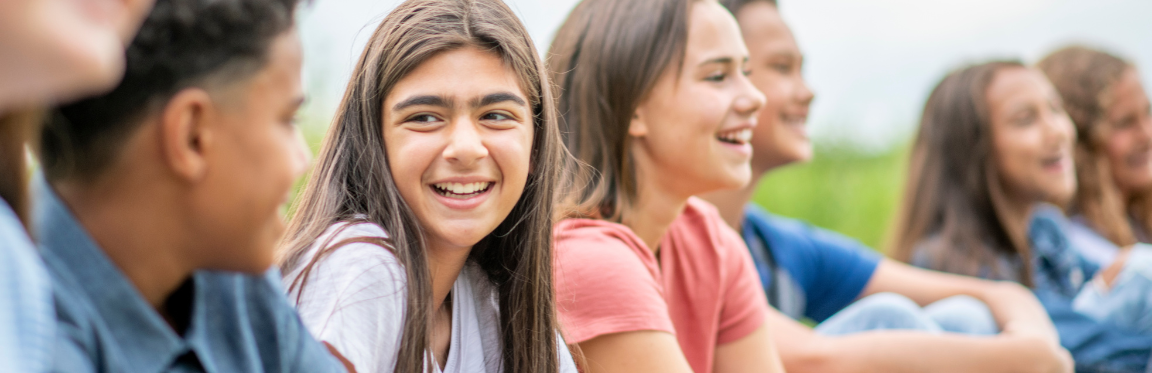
{"points": [[841, 189]]}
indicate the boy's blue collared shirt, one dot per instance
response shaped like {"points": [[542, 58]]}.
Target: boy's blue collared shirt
{"points": [[27, 323], [238, 323]]}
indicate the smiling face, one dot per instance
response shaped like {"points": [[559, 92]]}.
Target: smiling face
{"points": [[458, 131], [259, 154], [60, 49], [1128, 139], [691, 133], [781, 136], [1032, 136]]}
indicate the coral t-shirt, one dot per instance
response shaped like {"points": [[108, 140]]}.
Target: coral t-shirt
{"points": [[703, 287]]}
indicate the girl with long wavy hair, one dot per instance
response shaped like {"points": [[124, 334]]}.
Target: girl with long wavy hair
{"points": [[50, 51], [994, 145], [657, 106], [422, 240], [1113, 119]]}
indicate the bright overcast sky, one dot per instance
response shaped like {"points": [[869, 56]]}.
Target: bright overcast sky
{"points": [[871, 63]]}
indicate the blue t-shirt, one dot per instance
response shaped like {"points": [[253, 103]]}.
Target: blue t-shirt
{"points": [[806, 271], [234, 322], [27, 322]]}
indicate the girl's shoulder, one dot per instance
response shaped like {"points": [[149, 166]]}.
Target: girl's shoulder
{"points": [[347, 259]]}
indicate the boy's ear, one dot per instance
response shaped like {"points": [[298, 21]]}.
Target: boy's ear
{"points": [[185, 133]]}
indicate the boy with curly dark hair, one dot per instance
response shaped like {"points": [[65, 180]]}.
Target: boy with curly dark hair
{"points": [[158, 210]]}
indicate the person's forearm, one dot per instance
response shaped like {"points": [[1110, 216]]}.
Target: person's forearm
{"points": [[899, 351], [1017, 310]]}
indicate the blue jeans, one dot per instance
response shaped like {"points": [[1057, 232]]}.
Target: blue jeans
{"points": [[1128, 302], [885, 311]]}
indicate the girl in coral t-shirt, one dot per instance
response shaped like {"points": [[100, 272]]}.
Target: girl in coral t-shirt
{"points": [[648, 277]]}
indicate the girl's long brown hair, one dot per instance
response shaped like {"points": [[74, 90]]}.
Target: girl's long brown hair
{"points": [[352, 181], [1085, 77], [606, 57], [954, 206]]}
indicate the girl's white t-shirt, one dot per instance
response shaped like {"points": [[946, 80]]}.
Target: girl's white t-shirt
{"points": [[355, 300]]}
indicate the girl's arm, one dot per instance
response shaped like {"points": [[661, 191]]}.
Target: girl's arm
{"points": [[753, 353], [638, 351]]}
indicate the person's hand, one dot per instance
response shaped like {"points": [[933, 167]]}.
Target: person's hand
{"points": [[343, 360], [1044, 355], [1108, 275]]}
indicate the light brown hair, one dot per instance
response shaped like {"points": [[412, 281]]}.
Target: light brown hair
{"points": [[1084, 78], [606, 57], [954, 206], [352, 180]]}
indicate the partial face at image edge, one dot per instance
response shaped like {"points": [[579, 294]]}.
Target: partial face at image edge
{"points": [[63, 49]]}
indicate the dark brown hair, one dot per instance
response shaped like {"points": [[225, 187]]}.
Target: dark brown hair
{"points": [[1084, 77], [734, 6], [181, 44], [606, 57], [352, 180], [954, 206], [16, 130]]}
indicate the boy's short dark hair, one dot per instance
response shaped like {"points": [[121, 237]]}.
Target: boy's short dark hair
{"points": [[182, 43]]}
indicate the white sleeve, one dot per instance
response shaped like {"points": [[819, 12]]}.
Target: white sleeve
{"points": [[567, 364], [355, 299]]}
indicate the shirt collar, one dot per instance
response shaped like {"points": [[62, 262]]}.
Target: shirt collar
{"points": [[141, 335]]}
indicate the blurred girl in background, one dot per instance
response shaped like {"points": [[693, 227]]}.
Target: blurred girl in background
{"points": [[422, 241], [1107, 103], [994, 144], [50, 50], [656, 104]]}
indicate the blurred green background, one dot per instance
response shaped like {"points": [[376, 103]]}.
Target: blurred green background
{"points": [[843, 189]]}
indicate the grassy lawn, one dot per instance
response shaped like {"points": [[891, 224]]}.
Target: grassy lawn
{"points": [[843, 190]]}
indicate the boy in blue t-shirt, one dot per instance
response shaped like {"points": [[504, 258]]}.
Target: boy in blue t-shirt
{"points": [[158, 211]]}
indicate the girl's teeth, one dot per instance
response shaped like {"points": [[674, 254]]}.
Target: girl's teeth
{"points": [[461, 188], [741, 136]]}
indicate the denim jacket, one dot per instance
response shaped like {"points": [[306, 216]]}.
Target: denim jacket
{"points": [[1059, 272]]}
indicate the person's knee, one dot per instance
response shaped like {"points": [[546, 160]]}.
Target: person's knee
{"points": [[892, 311], [963, 314], [888, 304]]}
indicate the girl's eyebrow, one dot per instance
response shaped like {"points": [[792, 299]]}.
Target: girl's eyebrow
{"points": [[497, 97], [429, 100]]}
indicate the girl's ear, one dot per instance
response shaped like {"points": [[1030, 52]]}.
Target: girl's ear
{"points": [[638, 127]]}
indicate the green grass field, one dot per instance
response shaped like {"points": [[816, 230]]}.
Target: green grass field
{"points": [[849, 192]]}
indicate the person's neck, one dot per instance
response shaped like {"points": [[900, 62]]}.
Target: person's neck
{"points": [[730, 203], [1015, 213], [445, 262], [653, 212], [132, 220]]}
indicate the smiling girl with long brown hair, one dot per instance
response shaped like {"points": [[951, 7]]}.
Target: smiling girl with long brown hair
{"points": [[656, 101], [423, 238]]}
